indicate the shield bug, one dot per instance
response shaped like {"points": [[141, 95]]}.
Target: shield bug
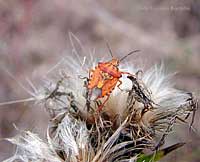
{"points": [[104, 78]]}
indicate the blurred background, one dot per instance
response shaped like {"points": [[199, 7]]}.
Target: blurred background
{"points": [[34, 37]]}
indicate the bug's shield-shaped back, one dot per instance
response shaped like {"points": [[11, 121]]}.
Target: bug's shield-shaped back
{"points": [[109, 86]]}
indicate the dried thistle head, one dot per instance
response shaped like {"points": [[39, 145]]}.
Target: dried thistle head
{"points": [[148, 107]]}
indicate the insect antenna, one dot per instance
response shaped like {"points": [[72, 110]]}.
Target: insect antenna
{"points": [[110, 50], [128, 54]]}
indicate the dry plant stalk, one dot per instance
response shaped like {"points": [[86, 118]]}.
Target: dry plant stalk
{"points": [[128, 124]]}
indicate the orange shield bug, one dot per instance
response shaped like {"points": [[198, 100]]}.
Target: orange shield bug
{"points": [[104, 78]]}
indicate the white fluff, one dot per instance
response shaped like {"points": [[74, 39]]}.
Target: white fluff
{"points": [[31, 148], [72, 137], [162, 88]]}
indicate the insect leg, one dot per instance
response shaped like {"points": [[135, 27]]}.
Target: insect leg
{"points": [[102, 105], [120, 83], [128, 74]]}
